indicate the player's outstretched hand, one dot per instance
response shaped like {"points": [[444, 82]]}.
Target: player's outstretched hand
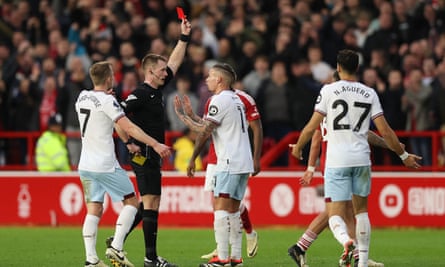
{"points": [[307, 178], [179, 110], [191, 169], [163, 150], [412, 161], [187, 106]]}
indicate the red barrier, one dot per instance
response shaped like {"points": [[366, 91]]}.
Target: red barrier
{"points": [[272, 150], [273, 198]]}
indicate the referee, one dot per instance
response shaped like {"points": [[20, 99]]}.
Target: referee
{"points": [[146, 109]]}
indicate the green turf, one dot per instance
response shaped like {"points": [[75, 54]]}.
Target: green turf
{"points": [[63, 246]]}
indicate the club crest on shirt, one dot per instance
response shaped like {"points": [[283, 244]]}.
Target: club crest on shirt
{"points": [[116, 105], [318, 99], [213, 110]]}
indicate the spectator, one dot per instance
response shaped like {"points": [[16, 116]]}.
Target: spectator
{"points": [[438, 106], [23, 116], [48, 103], [283, 46], [273, 103], [62, 54], [391, 100], [207, 34], [383, 38], [362, 30], [77, 81], [125, 33], [159, 46], [307, 37], [331, 37], [257, 75], [4, 92], [427, 25], [203, 90], [183, 148], [182, 88], [371, 78], [403, 21], [129, 82], [51, 151], [117, 66], [54, 38], [128, 57], [246, 58], [321, 71], [303, 93], [429, 70], [379, 61], [77, 44], [49, 69], [226, 52], [302, 96], [383, 8], [415, 103]]}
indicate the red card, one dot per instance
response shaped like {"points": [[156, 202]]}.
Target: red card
{"points": [[180, 12]]}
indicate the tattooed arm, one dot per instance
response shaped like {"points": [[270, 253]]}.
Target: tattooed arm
{"points": [[204, 128]]}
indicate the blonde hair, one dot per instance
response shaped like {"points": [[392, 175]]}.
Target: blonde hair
{"points": [[100, 72], [151, 60]]}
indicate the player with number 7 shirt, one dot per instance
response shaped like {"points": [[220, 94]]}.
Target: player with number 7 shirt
{"points": [[99, 114]]}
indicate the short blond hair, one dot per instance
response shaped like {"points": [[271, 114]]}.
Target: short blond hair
{"points": [[100, 72], [151, 60]]}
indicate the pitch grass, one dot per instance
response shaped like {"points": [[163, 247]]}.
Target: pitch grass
{"points": [[63, 246]]}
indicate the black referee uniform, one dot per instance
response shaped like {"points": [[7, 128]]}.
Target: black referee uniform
{"points": [[145, 107]]}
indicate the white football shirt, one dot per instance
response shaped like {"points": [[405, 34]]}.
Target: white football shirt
{"points": [[230, 137], [349, 108], [97, 112]]}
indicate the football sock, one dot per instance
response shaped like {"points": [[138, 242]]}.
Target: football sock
{"points": [[363, 234], [306, 240], [247, 225], [150, 228], [355, 252], [123, 224], [89, 232], [221, 225], [338, 228], [236, 235], [137, 219]]}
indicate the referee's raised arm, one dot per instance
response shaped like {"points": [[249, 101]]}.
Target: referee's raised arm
{"points": [[178, 53]]}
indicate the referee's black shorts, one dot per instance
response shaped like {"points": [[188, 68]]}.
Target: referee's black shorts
{"points": [[148, 175]]}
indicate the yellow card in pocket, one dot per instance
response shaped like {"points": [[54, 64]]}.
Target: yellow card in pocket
{"points": [[138, 159]]}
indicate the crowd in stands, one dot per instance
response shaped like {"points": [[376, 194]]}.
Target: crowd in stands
{"points": [[283, 52]]}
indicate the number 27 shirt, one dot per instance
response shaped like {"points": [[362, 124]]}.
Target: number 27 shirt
{"points": [[349, 108]]}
